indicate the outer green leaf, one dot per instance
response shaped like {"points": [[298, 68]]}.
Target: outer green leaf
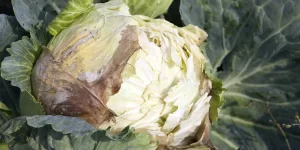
{"points": [[96, 140], [76, 126], [254, 46], [10, 31], [150, 8], [63, 133], [217, 91], [12, 126], [39, 36], [29, 106], [30, 12], [73, 10], [17, 67]]}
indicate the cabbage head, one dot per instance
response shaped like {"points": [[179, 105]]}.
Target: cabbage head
{"points": [[114, 69]]}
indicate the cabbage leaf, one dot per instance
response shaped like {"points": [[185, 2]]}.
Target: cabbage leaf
{"points": [[254, 47], [69, 133]]}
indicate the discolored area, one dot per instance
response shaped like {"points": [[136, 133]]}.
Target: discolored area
{"points": [[61, 93]]}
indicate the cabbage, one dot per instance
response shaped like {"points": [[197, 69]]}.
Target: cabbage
{"points": [[115, 70]]}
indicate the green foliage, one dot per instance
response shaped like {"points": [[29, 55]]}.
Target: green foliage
{"points": [[217, 91], [69, 133], [150, 8], [29, 13], [23, 54], [253, 47], [10, 31], [73, 10], [17, 67], [29, 106]]}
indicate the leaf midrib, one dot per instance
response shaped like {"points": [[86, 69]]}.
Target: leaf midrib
{"points": [[236, 79]]}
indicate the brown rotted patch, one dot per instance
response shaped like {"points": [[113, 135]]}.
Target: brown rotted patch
{"points": [[60, 93]]}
